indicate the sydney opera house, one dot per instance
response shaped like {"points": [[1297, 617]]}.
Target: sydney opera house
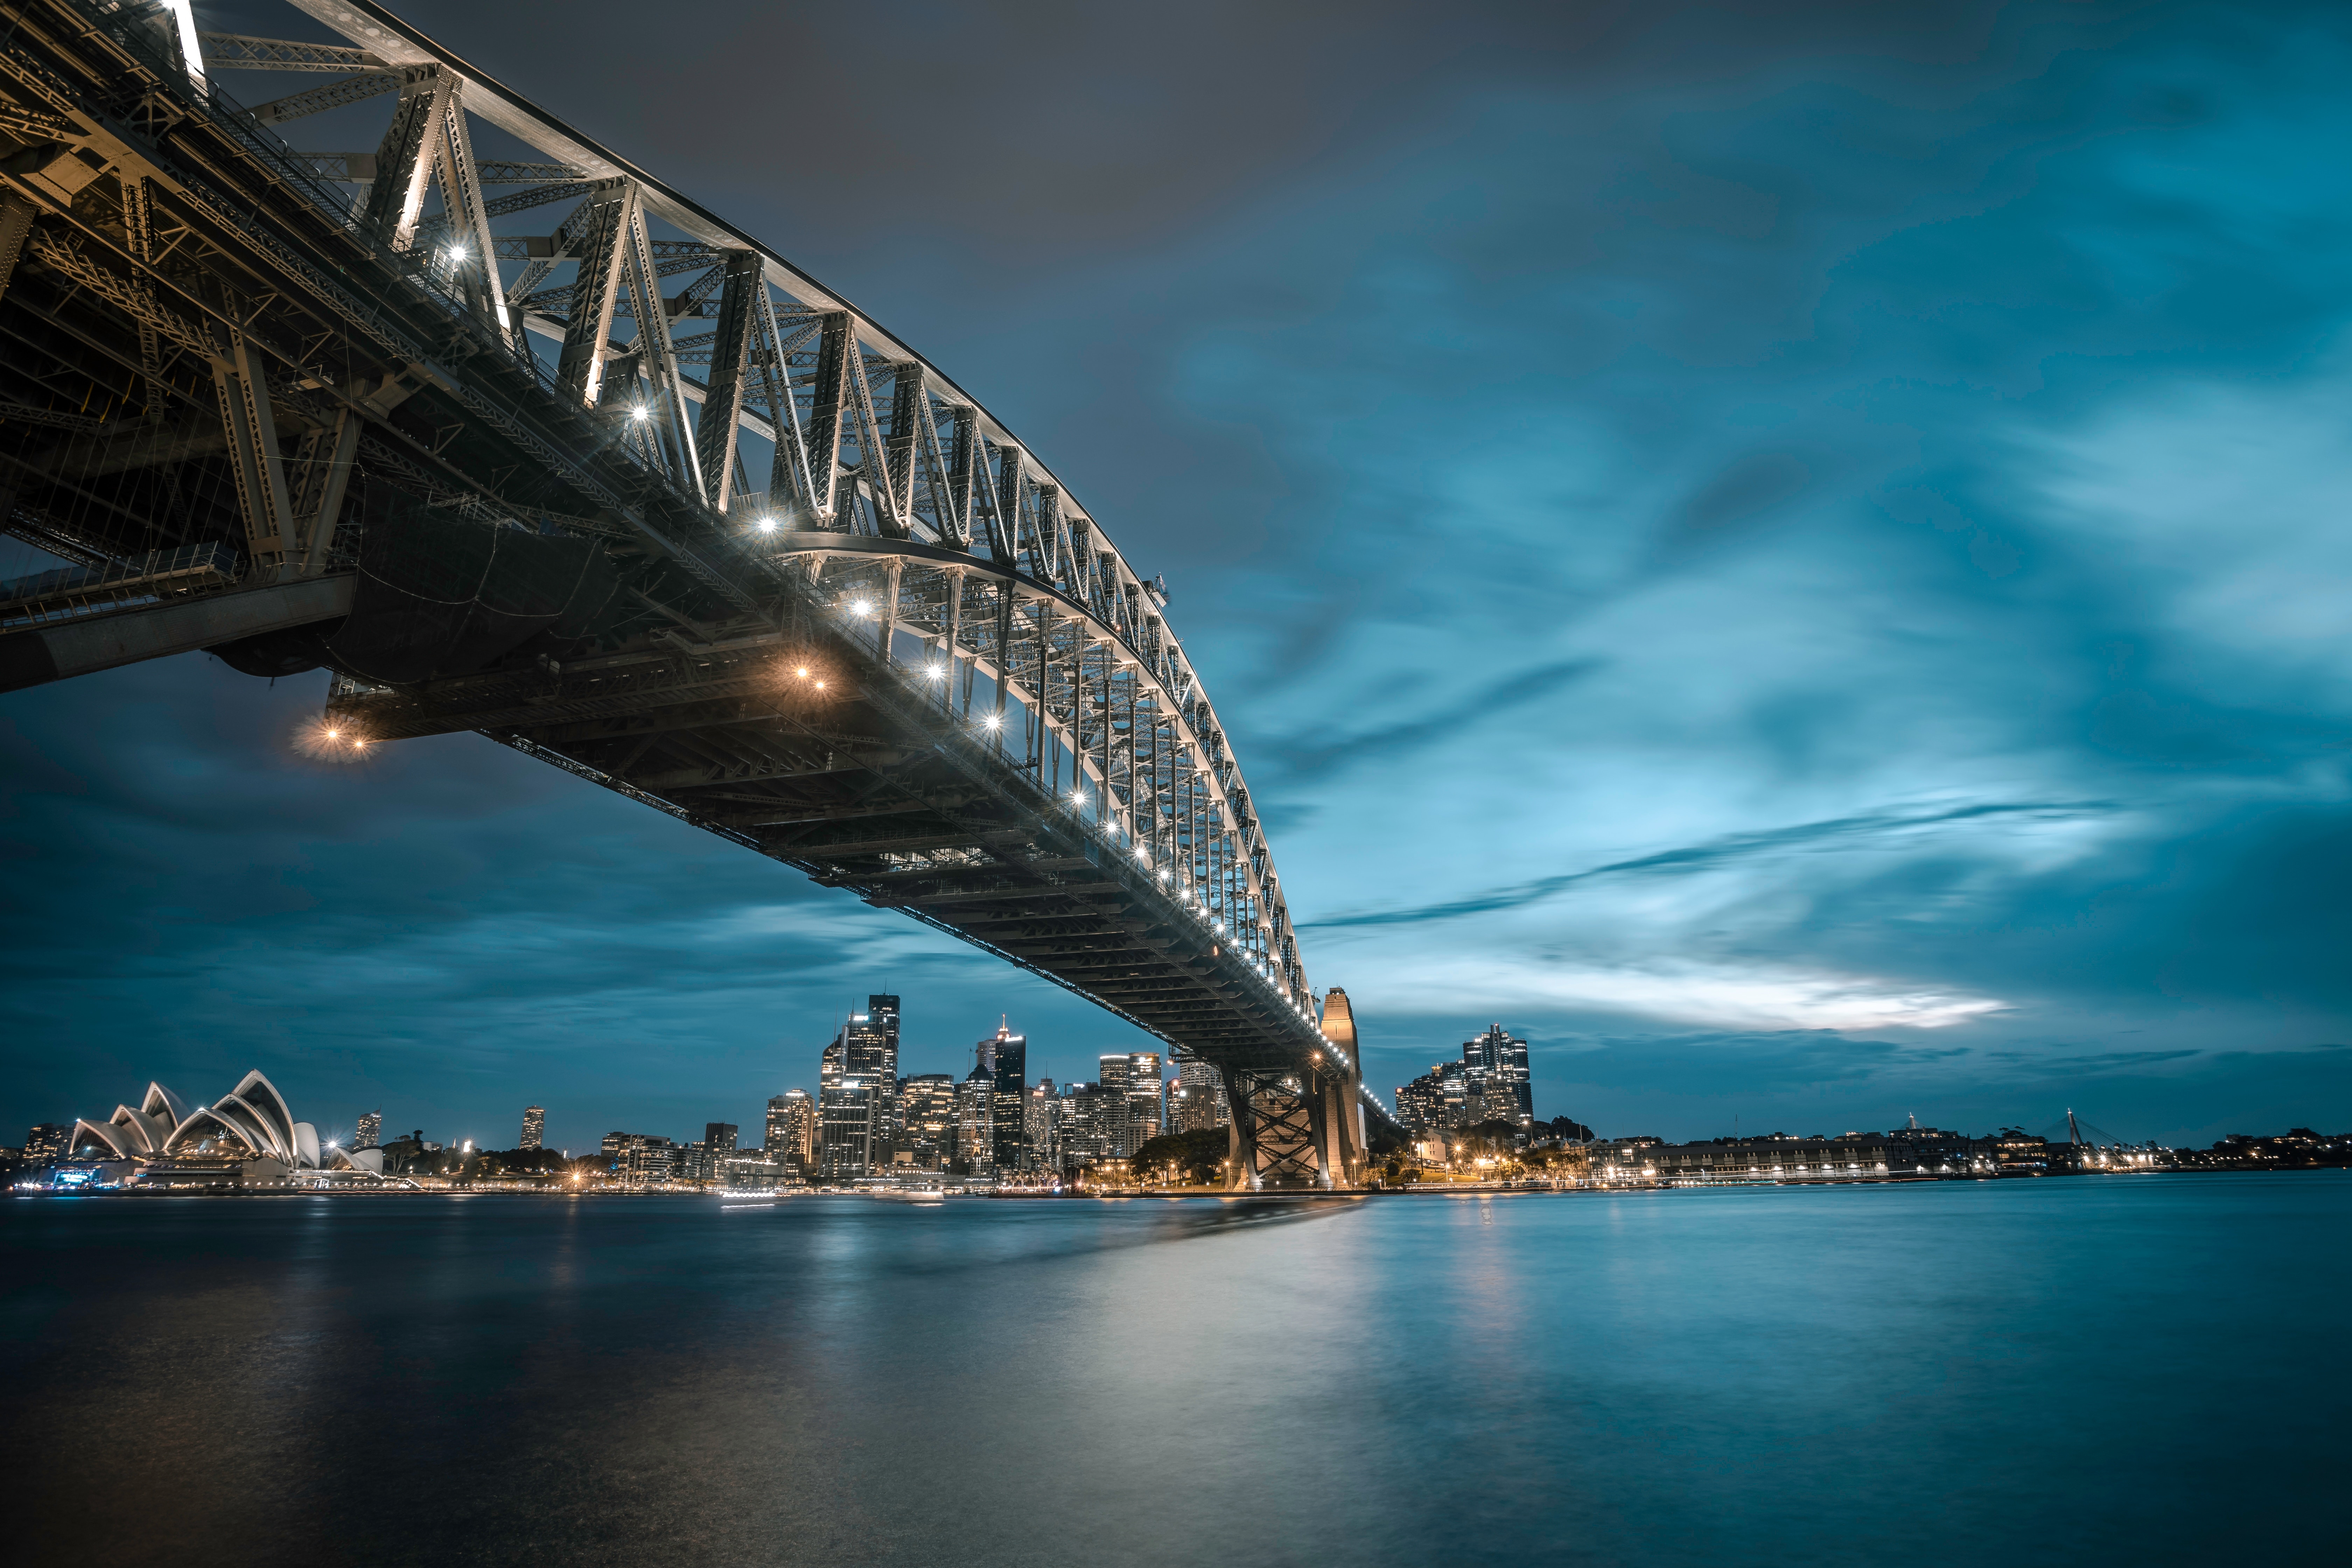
{"points": [[247, 1137]]}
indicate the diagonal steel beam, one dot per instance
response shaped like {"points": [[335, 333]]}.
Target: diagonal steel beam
{"points": [[731, 349]]}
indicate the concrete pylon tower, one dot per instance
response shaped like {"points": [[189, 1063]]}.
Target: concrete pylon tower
{"points": [[1340, 1139]]}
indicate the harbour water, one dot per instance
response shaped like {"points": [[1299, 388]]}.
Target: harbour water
{"points": [[2119, 1369]]}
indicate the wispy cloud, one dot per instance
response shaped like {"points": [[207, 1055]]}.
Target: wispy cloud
{"points": [[1846, 832], [1327, 756]]}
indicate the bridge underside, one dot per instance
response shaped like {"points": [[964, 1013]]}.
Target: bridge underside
{"points": [[869, 788]]}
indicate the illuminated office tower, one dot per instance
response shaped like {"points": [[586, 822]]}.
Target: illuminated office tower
{"points": [[1130, 1090], [791, 1129], [976, 1122], [369, 1130], [869, 1043], [1110, 1106], [1146, 1099], [1496, 1087], [720, 1138], [1082, 1135], [928, 1101], [1006, 1057], [858, 1093], [848, 1113], [534, 1127]]}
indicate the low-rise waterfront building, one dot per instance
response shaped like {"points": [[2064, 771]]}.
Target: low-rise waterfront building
{"points": [[1198, 1097]]}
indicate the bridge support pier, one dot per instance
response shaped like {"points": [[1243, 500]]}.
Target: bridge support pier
{"points": [[1301, 1128], [1273, 1134]]}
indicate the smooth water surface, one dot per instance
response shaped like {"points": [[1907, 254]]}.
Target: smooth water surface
{"points": [[2148, 1368]]}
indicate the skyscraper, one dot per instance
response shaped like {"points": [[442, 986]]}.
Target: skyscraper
{"points": [[1490, 1083], [1131, 1102], [719, 1138], [791, 1129], [534, 1126], [1499, 1089], [976, 1122], [848, 1115], [1084, 1136], [870, 1050], [857, 1104], [371, 1128], [1007, 1058], [1110, 1106], [928, 1101], [1146, 1099]]}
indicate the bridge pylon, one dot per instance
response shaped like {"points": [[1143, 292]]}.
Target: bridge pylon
{"points": [[1301, 1129]]}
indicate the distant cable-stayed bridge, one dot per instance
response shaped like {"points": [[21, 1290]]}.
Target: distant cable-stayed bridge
{"points": [[444, 424]]}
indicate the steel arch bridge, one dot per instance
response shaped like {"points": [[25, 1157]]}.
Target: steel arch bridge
{"points": [[435, 421]]}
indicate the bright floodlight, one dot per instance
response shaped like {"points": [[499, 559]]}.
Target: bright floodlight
{"points": [[766, 526], [994, 720], [933, 671], [335, 734], [860, 608], [641, 412], [801, 672]]}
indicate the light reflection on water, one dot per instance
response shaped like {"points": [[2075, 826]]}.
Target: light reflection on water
{"points": [[1992, 1367]]}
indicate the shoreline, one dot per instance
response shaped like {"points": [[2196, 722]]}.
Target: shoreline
{"points": [[1163, 1194]]}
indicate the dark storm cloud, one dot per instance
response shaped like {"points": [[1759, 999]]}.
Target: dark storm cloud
{"points": [[1703, 522]]}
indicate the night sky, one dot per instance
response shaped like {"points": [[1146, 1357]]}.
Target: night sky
{"points": [[1796, 556]]}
